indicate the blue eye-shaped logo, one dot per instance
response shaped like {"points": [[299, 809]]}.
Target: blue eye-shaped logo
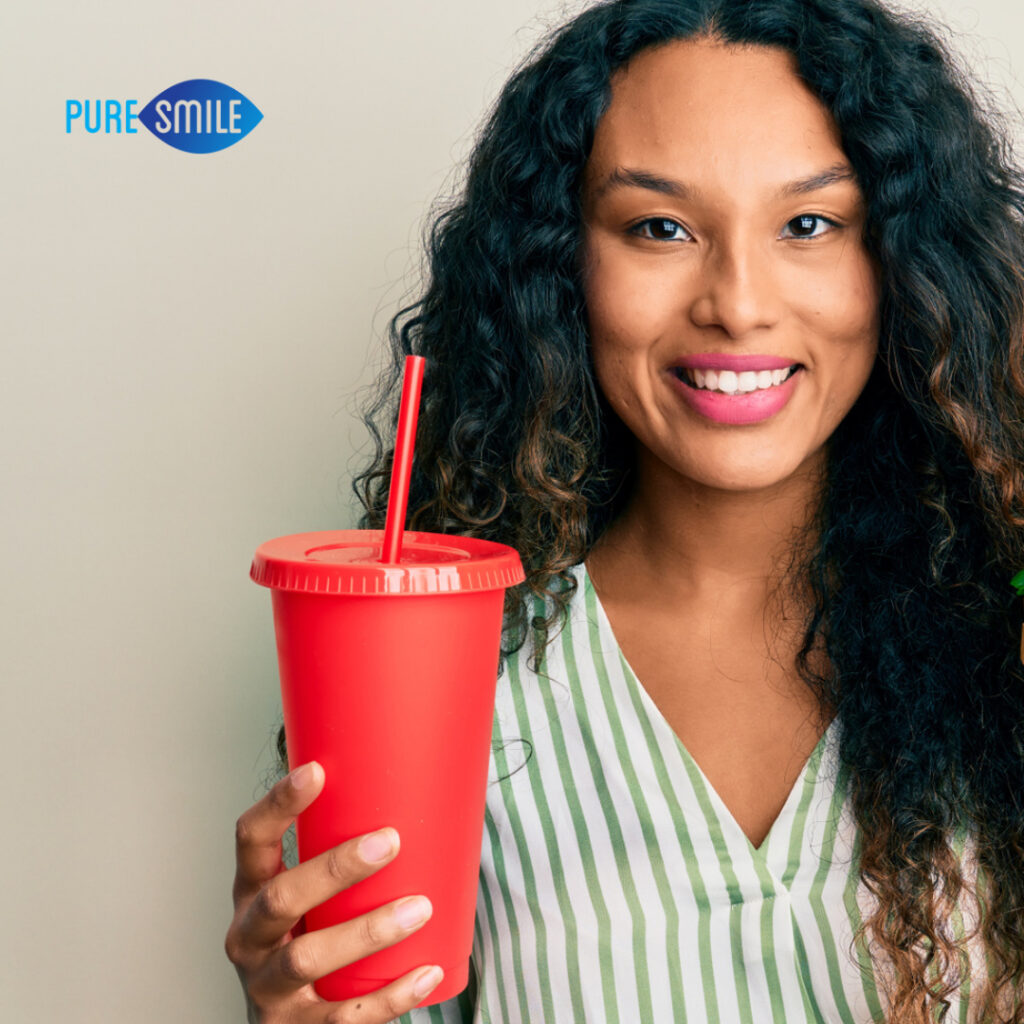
{"points": [[200, 116]]}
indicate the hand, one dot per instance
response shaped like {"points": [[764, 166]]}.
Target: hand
{"points": [[276, 960]]}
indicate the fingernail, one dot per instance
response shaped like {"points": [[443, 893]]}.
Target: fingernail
{"points": [[413, 911], [377, 845], [302, 776], [427, 981]]}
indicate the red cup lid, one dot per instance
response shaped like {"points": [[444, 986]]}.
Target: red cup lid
{"points": [[348, 562]]}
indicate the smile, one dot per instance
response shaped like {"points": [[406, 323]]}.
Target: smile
{"points": [[736, 398], [729, 382]]}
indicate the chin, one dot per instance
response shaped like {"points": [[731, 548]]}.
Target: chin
{"points": [[757, 478]]}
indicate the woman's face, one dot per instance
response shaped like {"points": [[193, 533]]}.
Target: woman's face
{"points": [[723, 229]]}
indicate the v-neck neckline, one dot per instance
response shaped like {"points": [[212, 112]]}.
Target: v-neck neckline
{"points": [[788, 810]]}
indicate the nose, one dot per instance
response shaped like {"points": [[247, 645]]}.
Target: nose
{"points": [[737, 291]]}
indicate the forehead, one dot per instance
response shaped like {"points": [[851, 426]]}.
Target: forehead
{"points": [[708, 109]]}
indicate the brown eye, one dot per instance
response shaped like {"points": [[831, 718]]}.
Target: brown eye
{"points": [[659, 228], [806, 224]]}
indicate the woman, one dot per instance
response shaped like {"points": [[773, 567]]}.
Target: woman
{"points": [[725, 337]]}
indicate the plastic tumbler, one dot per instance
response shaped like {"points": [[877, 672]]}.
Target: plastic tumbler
{"points": [[388, 674]]}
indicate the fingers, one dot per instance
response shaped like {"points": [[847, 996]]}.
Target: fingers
{"points": [[277, 963], [378, 1007], [259, 830], [311, 956], [281, 901]]}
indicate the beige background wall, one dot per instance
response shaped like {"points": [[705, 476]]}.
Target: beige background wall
{"points": [[182, 341]]}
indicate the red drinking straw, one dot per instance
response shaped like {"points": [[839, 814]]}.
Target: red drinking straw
{"points": [[401, 467]]}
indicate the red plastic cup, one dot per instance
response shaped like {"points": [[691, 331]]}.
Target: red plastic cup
{"points": [[388, 674]]}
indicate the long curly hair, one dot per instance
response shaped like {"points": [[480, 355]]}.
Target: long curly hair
{"points": [[921, 523]]}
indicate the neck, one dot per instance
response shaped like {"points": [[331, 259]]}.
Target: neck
{"points": [[694, 542]]}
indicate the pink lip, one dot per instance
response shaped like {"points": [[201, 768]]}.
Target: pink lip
{"points": [[731, 361], [752, 407]]}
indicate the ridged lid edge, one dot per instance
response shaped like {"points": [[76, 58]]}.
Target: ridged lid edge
{"points": [[280, 563], [368, 581]]}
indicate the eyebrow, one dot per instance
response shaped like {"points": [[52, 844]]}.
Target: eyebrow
{"points": [[627, 177]]}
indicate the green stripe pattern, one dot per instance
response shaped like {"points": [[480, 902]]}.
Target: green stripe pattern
{"points": [[615, 885]]}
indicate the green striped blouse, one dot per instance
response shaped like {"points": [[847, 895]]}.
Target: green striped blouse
{"points": [[616, 886]]}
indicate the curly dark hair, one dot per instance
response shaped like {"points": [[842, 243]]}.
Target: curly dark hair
{"points": [[920, 526]]}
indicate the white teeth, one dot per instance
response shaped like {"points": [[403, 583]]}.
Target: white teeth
{"points": [[729, 382]]}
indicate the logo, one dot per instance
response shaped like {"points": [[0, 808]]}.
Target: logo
{"points": [[199, 115]]}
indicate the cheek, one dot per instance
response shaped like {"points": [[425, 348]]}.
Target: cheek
{"points": [[611, 310], [859, 319], [619, 329], [613, 370], [628, 306], [845, 311], [853, 326]]}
